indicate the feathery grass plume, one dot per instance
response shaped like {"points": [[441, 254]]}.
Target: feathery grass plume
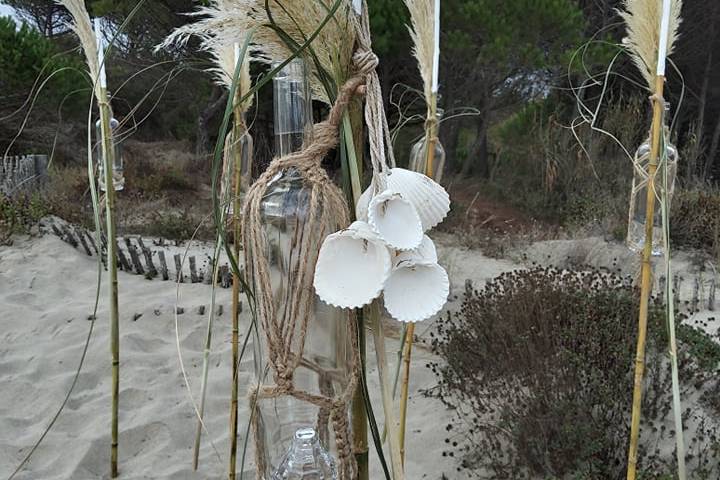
{"points": [[227, 20], [83, 29], [643, 19], [423, 37], [224, 57]]}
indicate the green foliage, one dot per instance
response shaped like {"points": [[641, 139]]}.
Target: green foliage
{"points": [[388, 20], [528, 33], [17, 215], [25, 53]]}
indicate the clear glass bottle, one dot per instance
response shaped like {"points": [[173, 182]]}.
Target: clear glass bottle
{"points": [[638, 207], [117, 174], [325, 367], [419, 156], [306, 459], [292, 108]]}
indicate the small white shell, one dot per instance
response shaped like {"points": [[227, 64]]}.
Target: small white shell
{"points": [[352, 267], [430, 200], [395, 220], [416, 291], [361, 209], [426, 252]]}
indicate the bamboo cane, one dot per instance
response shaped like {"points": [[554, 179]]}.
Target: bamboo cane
{"points": [[390, 422], [431, 138], [238, 130], [108, 161], [646, 274]]}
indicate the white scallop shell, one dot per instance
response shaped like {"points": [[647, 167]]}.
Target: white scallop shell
{"points": [[395, 220], [430, 200], [426, 252], [361, 209], [416, 291], [352, 267]]}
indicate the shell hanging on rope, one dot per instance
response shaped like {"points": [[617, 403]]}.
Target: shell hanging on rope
{"points": [[352, 267], [430, 200], [395, 220], [417, 288]]}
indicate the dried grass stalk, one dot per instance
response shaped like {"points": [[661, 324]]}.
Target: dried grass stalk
{"points": [[422, 33], [643, 19], [82, 27], [228, 20]]}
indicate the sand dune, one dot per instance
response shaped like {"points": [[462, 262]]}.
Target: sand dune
{"points": [[47, 290]]}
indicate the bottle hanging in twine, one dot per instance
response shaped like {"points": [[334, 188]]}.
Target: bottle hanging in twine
{"points": [[117, 174], [668, 162], [306, 354]]}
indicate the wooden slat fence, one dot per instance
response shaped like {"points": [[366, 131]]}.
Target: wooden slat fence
{"points": [[146, 257], [23, 173]]}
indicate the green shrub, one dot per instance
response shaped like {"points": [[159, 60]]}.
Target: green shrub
{"points": [[18, 214], [539, 367]]}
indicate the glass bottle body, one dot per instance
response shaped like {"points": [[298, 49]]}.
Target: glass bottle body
{"points": [[326, 362], [638, 205], [325, 368], [117, 168], [419, 157]]}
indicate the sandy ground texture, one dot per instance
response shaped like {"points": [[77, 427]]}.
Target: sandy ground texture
{"points": [[47, 291]]}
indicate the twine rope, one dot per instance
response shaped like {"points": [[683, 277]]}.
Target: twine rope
{"points": [[285, 331], [375, 118]]}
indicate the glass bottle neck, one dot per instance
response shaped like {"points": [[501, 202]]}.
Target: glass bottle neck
{"points": [[292, 102]]}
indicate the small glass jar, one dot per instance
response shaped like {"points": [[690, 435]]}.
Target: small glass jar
{"points": [[117, 173], [638, 205], [419, 158], [325, 368]]}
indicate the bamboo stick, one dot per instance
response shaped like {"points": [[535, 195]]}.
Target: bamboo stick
{"points": [[431, 138], [108, 159], [404, 388], [391, 423], [646, 277]]}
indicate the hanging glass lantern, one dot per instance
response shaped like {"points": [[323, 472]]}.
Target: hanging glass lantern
{"points": [[284, 422], [117, 173], [419, 157], [638, 198]]}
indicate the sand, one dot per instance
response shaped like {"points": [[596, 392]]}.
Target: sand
{"points": [[47, 290]]}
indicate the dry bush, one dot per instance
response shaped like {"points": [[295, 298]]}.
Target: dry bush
{"points": [[538, 366], [695, 220]]}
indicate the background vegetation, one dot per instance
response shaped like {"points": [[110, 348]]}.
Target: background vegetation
{"points": [[507, 78]]}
